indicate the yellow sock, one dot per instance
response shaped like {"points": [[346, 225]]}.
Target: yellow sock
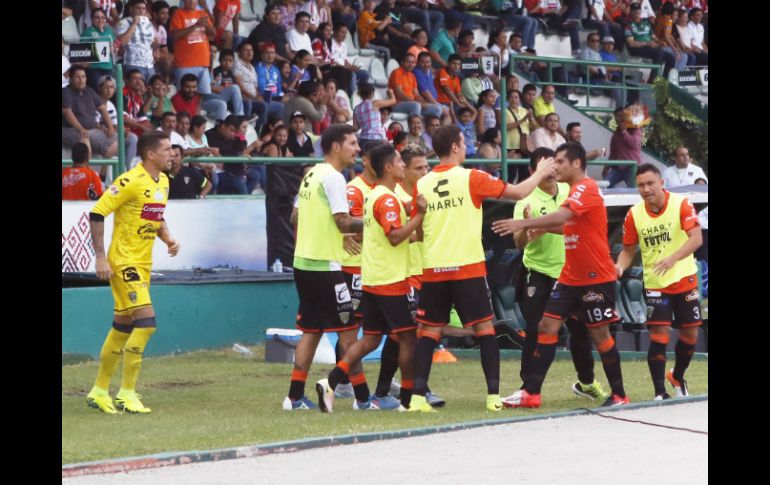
{"points": [[112, 351], [132, 360]]}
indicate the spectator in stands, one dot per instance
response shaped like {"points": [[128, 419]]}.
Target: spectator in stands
{"points": [[598, 74], [498, 43], [109, 7], [600, 18], [519, 121], [575, 134], [289, 11], [414, 136], [269, 81], [299, 142], [444, 43], [199, 147], [183, 126], [232, 180], [136, 35], [343, 115], [420, 38], [309, 100], [426, 82], [549, 135], [372, 33], [322, 46], [432, 123], [616, 10], [664, 24], [168, 126], [102, 32], [561, 18], [226, 13], [319, 13], [298, 38], [278, 146], [526, 25], [223, 86], [107, 93], [417, 11], [158, 101], [528, 96], [683, 172], [472, 86], [185, 182], [190, 31], [134, 116], [190, 99], [302, 70], [270, 30], [159, 17], [698, 44], [683, 36], [448, 84], [642, 42], [80, 182], [246, 78], [466, 121], [466, 44], [342, 67], [490, 149], [487, 117], [367, 116], [79, 107], [399, 38], [343, 13], [543, 105], [65, 67], [404, 84], [625, 144], [607, 54]]}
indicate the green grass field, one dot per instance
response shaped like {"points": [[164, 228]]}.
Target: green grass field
{"points": [[219, 399]]}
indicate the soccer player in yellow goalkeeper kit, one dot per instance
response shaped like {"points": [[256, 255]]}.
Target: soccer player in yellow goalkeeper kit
{"points": [[138, 199]]}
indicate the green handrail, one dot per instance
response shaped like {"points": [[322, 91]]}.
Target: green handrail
{"points": [[98, 161]]}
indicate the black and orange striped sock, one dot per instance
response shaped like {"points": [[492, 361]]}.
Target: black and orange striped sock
{"points": [[685, 348], [490, 360], [611, 362], [656, 361], [423, 359], [337, 374], [542, 357], [388, 367], [338, 354], [407, 386], [297, 386], [360, 388]]}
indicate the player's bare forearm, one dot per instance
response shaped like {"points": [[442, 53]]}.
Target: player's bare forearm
{"points": [[397, 236], [294, 217], [165, 236], [346, 223], [625, 258], [520, 239], [97, 237], [694, 241]]}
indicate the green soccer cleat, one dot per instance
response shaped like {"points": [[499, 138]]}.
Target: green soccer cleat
{"points": [[494, 403], [101, 400], [129, 401], [420, 404], [591, 391]]}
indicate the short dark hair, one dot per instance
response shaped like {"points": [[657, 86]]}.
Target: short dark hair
{"points": [[572, 124], [551, 114], [489, 135], [226, 53], [299, 15], [453, 23], [271, 6], [187, 78], [244, 44], [131, 72], [380, 156], [156, 77], [158, 5], [365, 90], [307, 88], [647, 167], [693, 11], [574, 151], [443, 139], [410, 152], [667, 9], [149, 141], [464, 110], [335, 134], [408, 54], [232, 120], [197, 121], [635, 6], [79, 153], [338, 26], [515, 35], [181, 149], [428, 118], [329, 80], [464, 33], [417, 32], [167, 114], [454, 57], [98, 9], [539, 154], [301, 54], [75, 68], [182, 114], [529, 87], [370, 145], [423, 54]]}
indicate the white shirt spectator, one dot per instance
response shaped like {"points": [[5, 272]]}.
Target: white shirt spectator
{"points": [[647, 10], [177, 139], [112, 112], [248, 76], [703, 218], [677, 177], [685, 35], [542, 138], [339, 53], [65, 65], [697, 34], [599, 7], [138, 51], [105, 5], [298, 42], [503, 55]]}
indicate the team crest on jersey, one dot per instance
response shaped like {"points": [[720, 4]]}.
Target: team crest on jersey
{"points": [[650, 310], [531, 291], [390, 203], [132, 296], [159, 194], [114, 190], [186, 180], [593, 296], [391, 216]]}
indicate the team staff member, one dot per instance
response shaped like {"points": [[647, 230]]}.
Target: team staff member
{"points": [[665, 226], [586, 285], [453, 258], [138, 199]]}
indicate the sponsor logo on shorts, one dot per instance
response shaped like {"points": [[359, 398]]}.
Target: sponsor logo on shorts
{"points": [[653, 294], [343, 295], [592, 296], [356, 282], [130, 274], [692, 296], [132, 296], [531, 291], [344, 317], [153, 212], [654, 301], [356, 302]]}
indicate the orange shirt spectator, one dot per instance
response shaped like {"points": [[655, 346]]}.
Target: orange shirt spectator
{"points": [[192, 50], [405, 80], [416, 50], [80, 183], [444, 79], [366, 26]]}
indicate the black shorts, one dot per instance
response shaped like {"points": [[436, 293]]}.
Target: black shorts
{"points": [[356, 292], [683, 307], [324, 302], [471, 298], [387, 314], [593, 305]]}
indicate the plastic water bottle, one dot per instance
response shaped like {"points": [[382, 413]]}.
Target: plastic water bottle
{"points": [[277, 266], [641, 317], [242, 350]]}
